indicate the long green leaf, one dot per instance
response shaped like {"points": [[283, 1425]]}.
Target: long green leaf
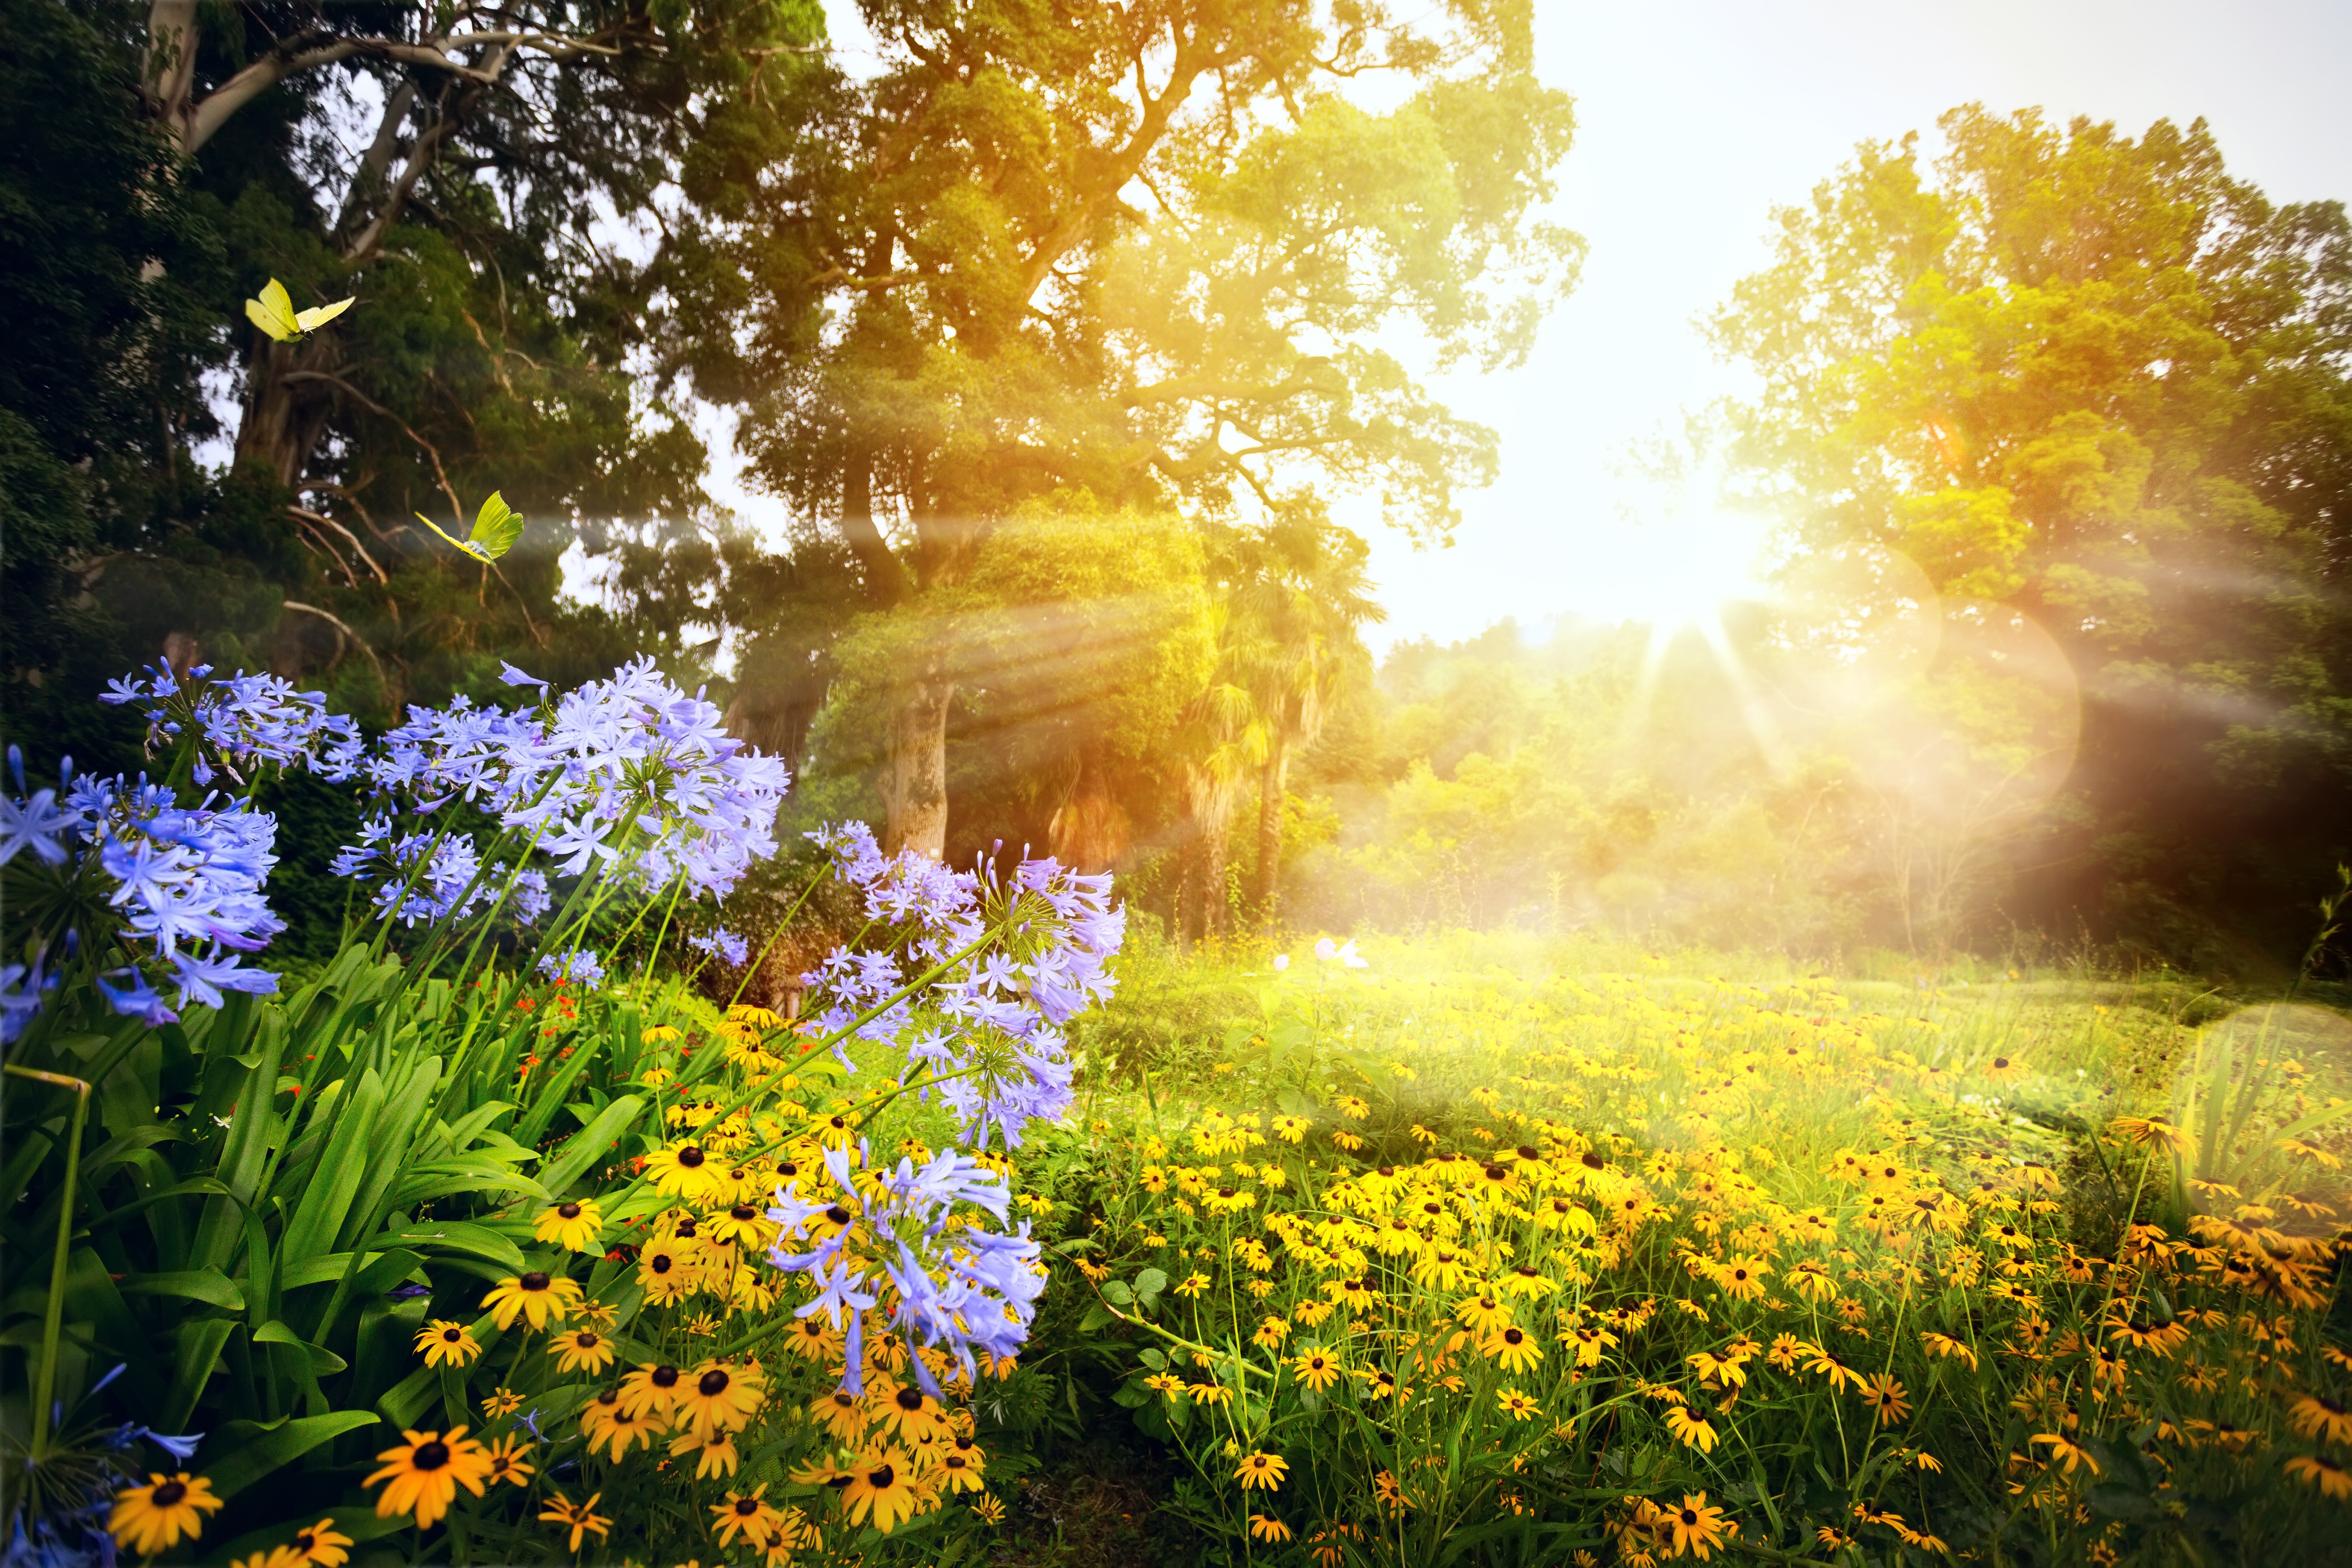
{"points": [[209, 1286], [590, 1145], [200, 1344], [238, 1469], [276, 1332], [389, 1148], [342, 1168]]}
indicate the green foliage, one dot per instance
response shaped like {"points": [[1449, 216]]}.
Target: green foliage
{"points": [[2097, 382]]}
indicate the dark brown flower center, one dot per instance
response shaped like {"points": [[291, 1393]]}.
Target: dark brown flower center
{"points": [[453, 1335], [168, 1494], [1514, 1336], [838, 1215], [664, 1377], [743, 1213], [660, 1263], [430, 1456], [713, 1383], [1497, 1173], [569, 1211], [1690, 1519], [883, 1479], [690, 1157], [1593, 1161], [746, 1507], [909, 1399]]}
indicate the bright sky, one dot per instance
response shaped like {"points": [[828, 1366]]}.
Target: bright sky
{"points": [[1695, 120]]}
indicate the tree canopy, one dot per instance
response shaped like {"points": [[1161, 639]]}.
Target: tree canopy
{"points": [[2098, 383], [1145, 252]]}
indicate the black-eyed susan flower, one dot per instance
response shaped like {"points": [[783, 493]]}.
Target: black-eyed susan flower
{"points": [[423, 1474], [1162, 1382], [719, 1396], [576, 1226], [881, 1488], [2318, 1470], [507, 1461], [1696, 1527], [1694, 1431], [745, 1225], [500, 1402], [582, 1349], [1515, 1404], [962, 1465], [2065, 1450], [815, 1337], [1483, 1314], [746, 1514], [1267, 1528], [668, 1271], [1742, 1278], [1271, 1333], [159, 1515], [1317, 1369], [653, 1386], [276, 1557], [320, 1546], [841, 1413], [685, 1171], [540, 1297], [1513, 1349], [580, 1518], [1262, 1471], [446, 1343], [2317, 1415], [714, 1455], [1886, 1397]]}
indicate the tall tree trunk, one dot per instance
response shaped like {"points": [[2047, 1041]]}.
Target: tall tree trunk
{"points": [[915, 774], [284, 419], [1273, 786], [1090, 829]]}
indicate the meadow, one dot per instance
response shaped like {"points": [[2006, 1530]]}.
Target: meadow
{"points": [[514, 1234]]}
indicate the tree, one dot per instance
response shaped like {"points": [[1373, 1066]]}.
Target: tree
{"points": [[498, 155], [2099, 383], [1143, 251], [1302, 609]]}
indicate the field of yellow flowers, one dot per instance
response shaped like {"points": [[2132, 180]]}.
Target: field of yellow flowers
{"points": [[1386, 1258], [1422, 1266]]}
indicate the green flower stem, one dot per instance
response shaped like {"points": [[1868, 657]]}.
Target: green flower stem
{"points": [[45, 1386]]}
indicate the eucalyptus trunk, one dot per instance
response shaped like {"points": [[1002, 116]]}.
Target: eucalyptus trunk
{"points": [[915, 772], [1274, 786]]}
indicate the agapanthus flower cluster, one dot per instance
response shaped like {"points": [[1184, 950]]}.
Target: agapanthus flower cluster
{"points": [[631, 776], [125, 868], [1023, 952], [726, 946], [240, 722], [916, 1250], [579, 968]]}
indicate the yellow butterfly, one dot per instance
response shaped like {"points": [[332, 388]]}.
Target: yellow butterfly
{"points": [[274, 313], [495, 527]]}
